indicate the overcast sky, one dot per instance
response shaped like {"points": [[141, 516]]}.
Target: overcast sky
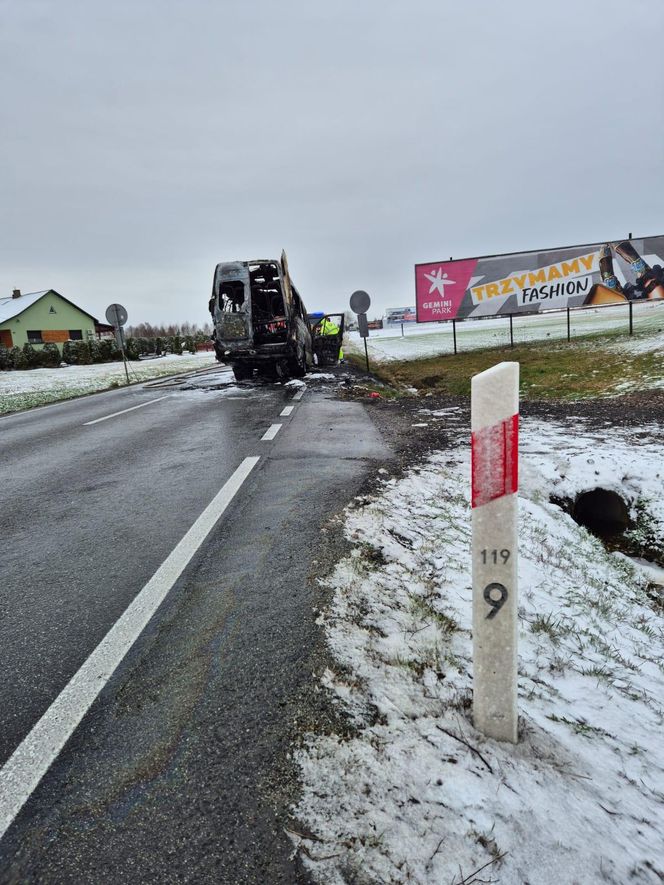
{"points": [[143, 141]]}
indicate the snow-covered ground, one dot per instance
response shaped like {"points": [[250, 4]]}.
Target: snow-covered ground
{"points": [[432, 339], [417, 795], [652, 342], [33, 387]]}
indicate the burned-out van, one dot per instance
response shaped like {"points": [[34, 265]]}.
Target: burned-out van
{"points": [[260, 322]]}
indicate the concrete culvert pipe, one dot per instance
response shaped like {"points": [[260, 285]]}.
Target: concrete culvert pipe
{"points": [[602, 512]]}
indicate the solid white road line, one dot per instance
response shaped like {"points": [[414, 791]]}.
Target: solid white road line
{"points": [[271, 432], [30, 761], [285, 412], [300, 393], [124, 411]]}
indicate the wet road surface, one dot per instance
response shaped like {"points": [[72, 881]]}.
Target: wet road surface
{"points": [[172, 773]]}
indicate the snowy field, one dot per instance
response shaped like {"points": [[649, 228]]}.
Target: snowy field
{"points": [[434, 339], [417, 795], [35, 387]]}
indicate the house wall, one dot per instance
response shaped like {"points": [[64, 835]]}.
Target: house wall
{"points": [[51, 315]]}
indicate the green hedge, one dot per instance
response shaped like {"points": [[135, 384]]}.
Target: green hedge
{"points": [[83, 353]]}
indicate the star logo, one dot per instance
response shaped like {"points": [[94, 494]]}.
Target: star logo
{"points": [[438, 281]]}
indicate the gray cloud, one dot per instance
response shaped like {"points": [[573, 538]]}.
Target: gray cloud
{"points": [[145, 141]]}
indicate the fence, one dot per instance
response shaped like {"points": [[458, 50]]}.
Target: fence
{"points": [[428, 339]]}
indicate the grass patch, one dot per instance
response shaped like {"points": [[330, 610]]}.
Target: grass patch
{"points": [[551, 626], [421, 608], [18, 402], [582, 369], [579, 726], [644, 537]]}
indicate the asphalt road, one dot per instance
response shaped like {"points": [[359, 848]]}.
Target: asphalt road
{"points": [[173, 773]]}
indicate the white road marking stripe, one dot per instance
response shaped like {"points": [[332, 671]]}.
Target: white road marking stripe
{"points": [[286, 411], [124, 411], [30, 761], [271, 432], [300, 393]]}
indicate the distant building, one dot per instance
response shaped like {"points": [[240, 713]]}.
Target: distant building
{"points": [[396, 315], [43, 317]]}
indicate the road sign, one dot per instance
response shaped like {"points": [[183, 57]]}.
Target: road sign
{"points": [[363, 325], [495, 449], [360, 301], [116, 315]]}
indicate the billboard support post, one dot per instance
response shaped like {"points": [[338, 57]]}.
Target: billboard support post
{"points": [[569, 337], [494, 484], [511, 333], [454, 334], [631, 318]]}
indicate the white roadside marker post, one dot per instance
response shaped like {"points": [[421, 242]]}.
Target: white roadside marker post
{"points": [[495, 452]]}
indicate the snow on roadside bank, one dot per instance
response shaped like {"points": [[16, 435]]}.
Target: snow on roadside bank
{"points": [[434, 339], [34, 387], [418, 795]]}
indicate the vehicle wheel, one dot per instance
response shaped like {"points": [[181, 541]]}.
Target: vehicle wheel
{"points": [[273, 372], [300, 367], [242, 373]]}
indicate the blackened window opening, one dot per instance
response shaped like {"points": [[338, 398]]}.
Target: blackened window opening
{"points": [[231, 296], [267, 305]]}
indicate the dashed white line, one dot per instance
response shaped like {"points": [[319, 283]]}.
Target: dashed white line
{"points": [[30, 761], [286, 411], [299, 394], [271, 432], [124, 411]]}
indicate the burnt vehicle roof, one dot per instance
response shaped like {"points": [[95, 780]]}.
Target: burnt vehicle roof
{"points": [[252, 261]]}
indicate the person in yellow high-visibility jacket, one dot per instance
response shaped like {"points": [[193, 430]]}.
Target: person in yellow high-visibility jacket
{"points": [[327, 327]]}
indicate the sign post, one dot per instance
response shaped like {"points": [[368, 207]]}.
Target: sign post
{"points": [[117, 316], [495, 451], [359, 304]]}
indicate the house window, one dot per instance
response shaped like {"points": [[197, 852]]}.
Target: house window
{"points": [[35, 336], [75, 334], [52, 309]]}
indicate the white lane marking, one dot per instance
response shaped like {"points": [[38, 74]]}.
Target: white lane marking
{"points": [[124, 411], [299, 394], [30, 761], [271, 432], [286, 411]]}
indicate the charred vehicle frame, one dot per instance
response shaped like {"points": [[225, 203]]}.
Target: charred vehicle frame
{"points": [[261, 323]]}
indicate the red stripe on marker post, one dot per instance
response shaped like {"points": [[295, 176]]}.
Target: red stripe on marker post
{"points": [[495, 461]]}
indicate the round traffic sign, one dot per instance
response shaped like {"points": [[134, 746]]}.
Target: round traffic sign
{"points": [[360, 301], [116, 315]]}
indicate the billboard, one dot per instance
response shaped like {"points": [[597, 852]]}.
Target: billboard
{"points": [[396, 315], [529, 282]]}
